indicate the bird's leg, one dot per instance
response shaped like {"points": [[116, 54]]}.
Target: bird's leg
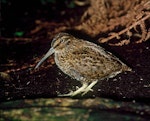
{"points": [[78, 91], [89, 88], [81, 89]]}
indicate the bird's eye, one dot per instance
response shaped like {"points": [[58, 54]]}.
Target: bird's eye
{"points": [[62, 40]]}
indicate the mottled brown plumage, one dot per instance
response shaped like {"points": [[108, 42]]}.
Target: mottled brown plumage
{"points": [[83, 61]]}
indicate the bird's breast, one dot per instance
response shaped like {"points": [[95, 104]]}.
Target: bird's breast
{"points": [[62, 60]]}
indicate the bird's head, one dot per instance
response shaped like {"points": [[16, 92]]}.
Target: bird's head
{"points": [[60, 41]]}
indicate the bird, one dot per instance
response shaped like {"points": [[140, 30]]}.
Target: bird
{"points": [[83, 61]]}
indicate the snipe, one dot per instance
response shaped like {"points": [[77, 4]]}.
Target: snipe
{"points": [[83, 61]]}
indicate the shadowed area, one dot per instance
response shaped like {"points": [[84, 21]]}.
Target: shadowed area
{"points": [[26, 32]]}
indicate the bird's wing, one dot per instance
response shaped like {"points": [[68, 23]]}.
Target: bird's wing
{"points": [[91, 61]]}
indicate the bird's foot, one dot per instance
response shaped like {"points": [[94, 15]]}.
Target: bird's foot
{"points": [[89, 88], [78, 91], [84, 89], [66, 95]]}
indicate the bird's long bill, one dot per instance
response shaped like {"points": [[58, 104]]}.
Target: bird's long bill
{"points": [[50, 52]]}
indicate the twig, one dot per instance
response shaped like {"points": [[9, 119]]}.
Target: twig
{"points": [[16, 39], [125, 30]]}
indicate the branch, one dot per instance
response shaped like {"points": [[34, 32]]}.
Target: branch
{"points": [[139, 22]]}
